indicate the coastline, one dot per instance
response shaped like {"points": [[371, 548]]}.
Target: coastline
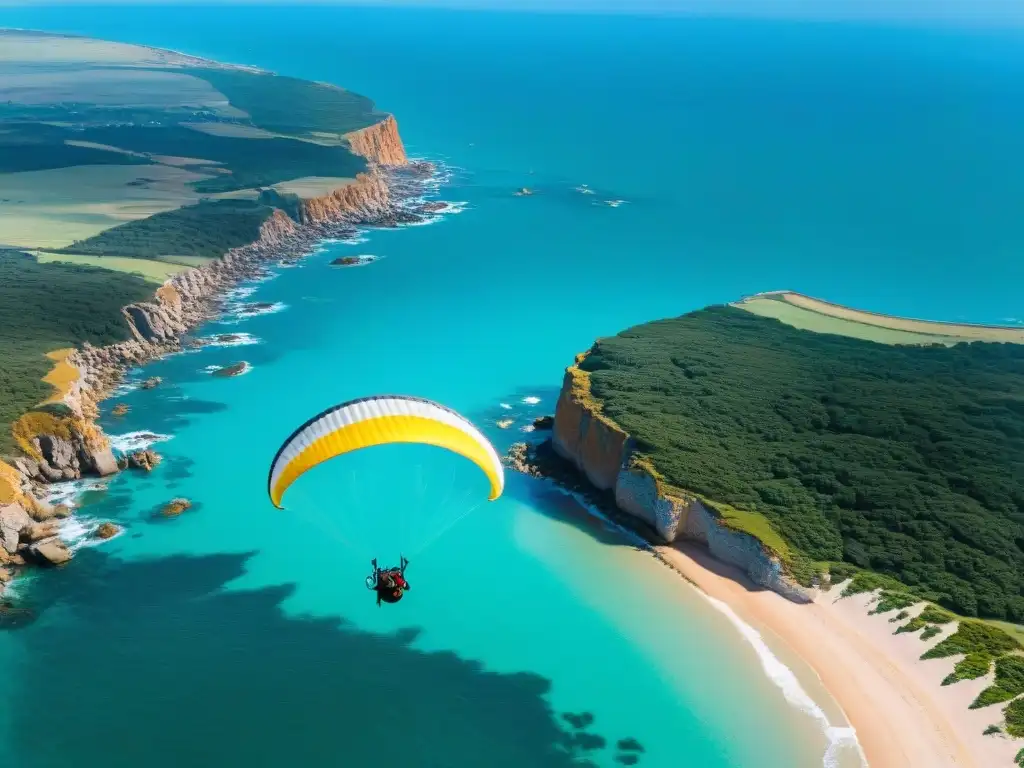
{"points": [[898, 712], [901, 714], [72, 447]]}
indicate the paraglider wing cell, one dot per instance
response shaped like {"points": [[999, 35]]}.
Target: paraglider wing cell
{"points": [[380, 420]]}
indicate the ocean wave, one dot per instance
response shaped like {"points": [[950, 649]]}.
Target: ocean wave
{"points": [[531, 400], [228, 340], [136, 441], [68, 493], [236, 312], [785, 679], [506, 406]]}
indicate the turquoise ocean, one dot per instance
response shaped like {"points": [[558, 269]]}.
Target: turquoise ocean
{"points": [[869, 165]]}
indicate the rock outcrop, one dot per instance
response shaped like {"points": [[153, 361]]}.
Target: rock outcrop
{"points": [[175, 507], [50, 552], [106, 531], [379, 143], [606, 455], [145, 460]]}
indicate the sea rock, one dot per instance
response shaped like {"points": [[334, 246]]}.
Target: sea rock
{"points": [[519, 459], [145, 460], [524, 192], [50, 552], [231, 370], [106, 531], [39, 531], [504, 423], [432, 206], [345, 261], [13, 520], [151, 383], [175, 507], [120, 410], [544, 422]]}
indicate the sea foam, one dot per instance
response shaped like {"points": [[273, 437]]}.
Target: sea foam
{"points": [[136, 441]]}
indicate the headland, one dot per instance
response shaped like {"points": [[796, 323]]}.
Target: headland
{"points": [[821, 485], [166, 181]]}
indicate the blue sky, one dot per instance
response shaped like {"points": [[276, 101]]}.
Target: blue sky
{"points": [[957, 11]]}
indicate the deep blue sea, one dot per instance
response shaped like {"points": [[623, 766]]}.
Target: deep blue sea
{"points": [[878, 167]]}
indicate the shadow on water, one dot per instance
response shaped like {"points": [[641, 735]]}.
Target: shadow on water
{"points": [[154, 663]]}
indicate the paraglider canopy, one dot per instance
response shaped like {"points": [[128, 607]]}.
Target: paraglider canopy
{"points": [[380, 420]]}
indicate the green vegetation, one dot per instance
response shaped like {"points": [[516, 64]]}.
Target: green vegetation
{"points": [[899, 616], [991, 729], [991, 695], [1019, 759], [43, 308], [911, 626], [251, 162], [207, 229], [1015, 723], [288, 105], [935, 615], [152, 270], [930, 631], [900, 460], [971, 667], [974, 637], [889, 601], [35, 147]]}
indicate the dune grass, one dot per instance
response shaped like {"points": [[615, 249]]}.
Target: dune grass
{"points": [[62, 375]]}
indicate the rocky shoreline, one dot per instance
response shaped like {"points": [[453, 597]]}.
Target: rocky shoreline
{"points": [[66, 444]]}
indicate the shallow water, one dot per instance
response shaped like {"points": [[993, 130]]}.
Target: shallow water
{"points": [[862, 165]]}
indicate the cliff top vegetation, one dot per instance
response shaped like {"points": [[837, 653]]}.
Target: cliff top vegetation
{"points": [[907, 461]]}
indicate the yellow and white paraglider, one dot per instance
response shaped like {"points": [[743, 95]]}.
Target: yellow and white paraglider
{"points": [[376, 421]]}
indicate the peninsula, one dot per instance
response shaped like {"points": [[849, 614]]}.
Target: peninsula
{"points": [[847, 481], [136, 186]]}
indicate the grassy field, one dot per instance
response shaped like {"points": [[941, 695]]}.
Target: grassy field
{"points": [[812, 314], [152, 270], [54, 208], [312, 186], [19, 47], [896, 459]]}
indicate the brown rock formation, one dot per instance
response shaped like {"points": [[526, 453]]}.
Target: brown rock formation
{"points": [[145, 460], [137, 316], [13, 520], [231, 370], [106, 531], [50, 552], [544, 422], [120, 410], [379, 143], [175, 507], [39, 531]]}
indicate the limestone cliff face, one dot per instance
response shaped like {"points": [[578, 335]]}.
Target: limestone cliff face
{"points": [[367, 199], [379, 143], [605, 453]]}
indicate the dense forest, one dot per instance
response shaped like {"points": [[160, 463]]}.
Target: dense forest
{"points": [[908, 461], [289, 105], [48, 307], [208, 229]]}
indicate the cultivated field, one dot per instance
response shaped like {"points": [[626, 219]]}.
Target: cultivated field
{"points": [[812, 314]]}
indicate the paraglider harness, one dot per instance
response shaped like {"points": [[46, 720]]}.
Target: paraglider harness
{"points": [[389, 583]]}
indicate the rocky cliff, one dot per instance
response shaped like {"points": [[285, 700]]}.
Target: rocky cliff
{"points": [[64, 444], [606, 454], [379, 143]]}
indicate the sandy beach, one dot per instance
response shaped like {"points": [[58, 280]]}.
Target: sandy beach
{"points": [[902, 715]]}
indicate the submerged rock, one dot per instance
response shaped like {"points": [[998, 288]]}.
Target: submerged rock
{"points": [[524, 192], [175, 507], [145, 459], [231, 370], [152, 382], [106, 531], [51, 552], [504, 423], [120, 410], [544, 422], [519, 458]]}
